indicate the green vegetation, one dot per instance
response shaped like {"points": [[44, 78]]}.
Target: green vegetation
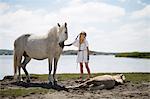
{"points": [[134, 55], [6, 52], [137, 77], [23, 91], [133, 77]]}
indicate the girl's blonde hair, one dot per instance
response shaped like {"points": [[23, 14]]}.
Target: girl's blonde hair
{"points": [[80, 40]]}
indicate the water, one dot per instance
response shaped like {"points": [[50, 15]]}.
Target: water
{"points": [[67, 64]]}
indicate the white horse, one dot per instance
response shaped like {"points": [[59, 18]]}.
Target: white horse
{"points": [[39, 47], [101, 82]]}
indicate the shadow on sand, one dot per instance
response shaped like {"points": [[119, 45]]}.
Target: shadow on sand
{"points": [[42, 85], [45, 85]]}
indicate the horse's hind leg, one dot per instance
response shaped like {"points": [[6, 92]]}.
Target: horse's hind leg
{"points": [[23, 65], [15, 65], [55, 68]]}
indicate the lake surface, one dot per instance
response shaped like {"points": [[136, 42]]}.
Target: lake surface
{"points": [[67, 64]]}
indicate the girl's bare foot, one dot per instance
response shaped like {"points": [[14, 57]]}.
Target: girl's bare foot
{"points": [[88, 78], [80, 80]]}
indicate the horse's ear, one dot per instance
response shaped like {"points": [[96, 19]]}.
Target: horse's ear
{"points": [[58, 24], [65, 24]]}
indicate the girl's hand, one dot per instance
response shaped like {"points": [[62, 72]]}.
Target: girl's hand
{"points": [[88, 57], [88, 51]]}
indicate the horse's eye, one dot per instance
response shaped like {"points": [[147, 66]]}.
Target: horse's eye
{"points": [[66, 32]]}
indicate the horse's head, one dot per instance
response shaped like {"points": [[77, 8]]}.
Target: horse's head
{"points": [[62, 32], [119, 78]]}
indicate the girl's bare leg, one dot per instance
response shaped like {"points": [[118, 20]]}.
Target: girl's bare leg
{"points": [[88, 70], [81, 71]]}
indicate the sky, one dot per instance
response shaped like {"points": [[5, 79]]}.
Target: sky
{"points": [[111, 25]]}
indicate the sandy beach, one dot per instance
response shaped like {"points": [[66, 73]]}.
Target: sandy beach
{"points": [[40, 89]]}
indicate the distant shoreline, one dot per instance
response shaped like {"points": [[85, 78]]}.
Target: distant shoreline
{"points": [[66, 52], [143, 55]]}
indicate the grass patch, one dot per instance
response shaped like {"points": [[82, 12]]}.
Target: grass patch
{"points": [[42, 77], [133, 77], [23, 92], [138, 77], [63, 77]]}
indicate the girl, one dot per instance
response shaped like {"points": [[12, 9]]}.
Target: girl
{"points": [[83, 53]]}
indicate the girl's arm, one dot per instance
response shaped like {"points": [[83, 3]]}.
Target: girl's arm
{"points": [[75, 43], [68, 44]]}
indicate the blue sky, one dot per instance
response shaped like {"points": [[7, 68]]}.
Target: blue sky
{"points": [[111, 25], [129, 5]]}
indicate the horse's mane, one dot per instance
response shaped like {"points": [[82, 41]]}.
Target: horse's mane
{"points": [[53, 31]]}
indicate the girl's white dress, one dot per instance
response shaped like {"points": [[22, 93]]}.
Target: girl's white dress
{"points": [[82, 55]]}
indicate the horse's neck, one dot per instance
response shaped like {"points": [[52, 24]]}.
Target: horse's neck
{"points": [[52, 34]]}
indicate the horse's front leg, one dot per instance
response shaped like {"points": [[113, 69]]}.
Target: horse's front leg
{"points": [[55, 68], [50, 70]]}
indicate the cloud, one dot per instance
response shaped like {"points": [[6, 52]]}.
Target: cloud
{"points": [[104, 23], [122, 1], [4, 6], [130, 36], [143, 13], [140, 2], [92, 12], [133, 36], [24, 20]]}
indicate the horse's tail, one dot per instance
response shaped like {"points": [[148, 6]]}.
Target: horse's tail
{"points": [[15, 62]]}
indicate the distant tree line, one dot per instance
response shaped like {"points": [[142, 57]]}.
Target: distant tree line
{"points": [[6, 52], [67, 52], [134, 54]]}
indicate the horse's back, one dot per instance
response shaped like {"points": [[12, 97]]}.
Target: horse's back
{"points": [[24, 36], [20, 41], [40, 46]]}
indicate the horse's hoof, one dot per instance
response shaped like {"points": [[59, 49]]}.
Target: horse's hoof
{"points": [[19, 80], [28, 81], [55, 82], [15, 78], [50, 83]]}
